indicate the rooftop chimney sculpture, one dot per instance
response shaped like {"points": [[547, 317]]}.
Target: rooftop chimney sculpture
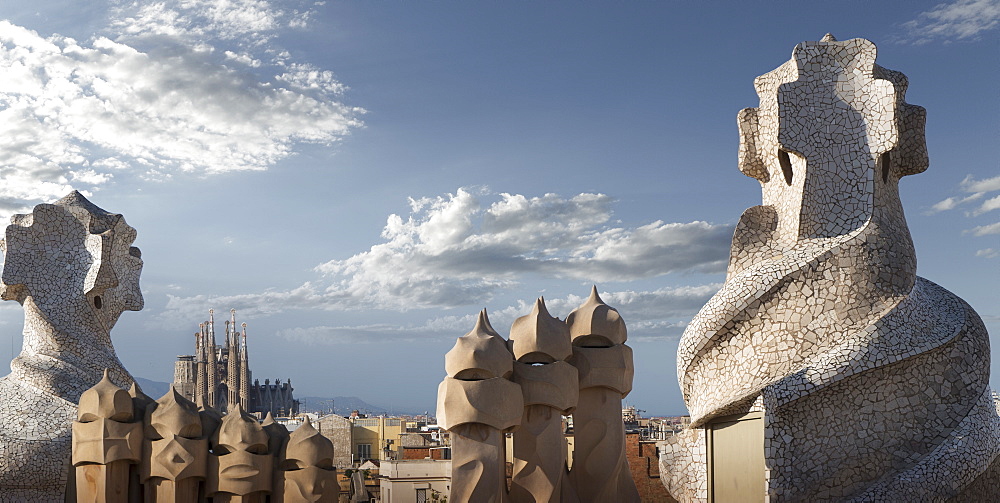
{"points": [[72, 267], [843, 374], [478, 403], [549, 385], [548, 368]]}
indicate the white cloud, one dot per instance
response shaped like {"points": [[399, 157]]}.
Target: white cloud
{"points": [[970, 184], [650, 315], [953, 202], [460, 250], [243, 58], [985, 230], [449, 250], [958, 20], [247, 20], [978, 188], [988, 253], [74, 114], [988, 205]]}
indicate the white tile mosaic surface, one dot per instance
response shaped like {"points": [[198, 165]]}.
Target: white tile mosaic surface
{"points": [[873, 381], [72, 267]]}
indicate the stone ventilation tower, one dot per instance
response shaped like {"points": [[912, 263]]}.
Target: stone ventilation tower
{"points": [[547, 369], [600, 470], [308, 473], [541, 345], [106, 440], [825, 369], [478, 403]]}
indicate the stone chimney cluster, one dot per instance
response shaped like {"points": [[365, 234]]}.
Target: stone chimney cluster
{"points": [[128, 448], [546, 369]]}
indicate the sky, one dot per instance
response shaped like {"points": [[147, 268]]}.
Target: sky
{"points": [[359, 179]]}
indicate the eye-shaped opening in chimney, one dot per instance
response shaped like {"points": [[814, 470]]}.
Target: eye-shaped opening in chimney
{"points": [[885, 164], [786, 165], [97, 302]]}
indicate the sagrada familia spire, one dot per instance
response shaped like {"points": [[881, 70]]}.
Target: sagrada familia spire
{"points": [[219, 377]]}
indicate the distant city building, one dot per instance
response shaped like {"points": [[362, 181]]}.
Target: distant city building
{"points": [[218, 377], [376, 437], [415, 481], [340, 431]]}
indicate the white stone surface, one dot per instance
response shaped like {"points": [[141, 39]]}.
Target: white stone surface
{"points": [[873, 381], [72, 267]]}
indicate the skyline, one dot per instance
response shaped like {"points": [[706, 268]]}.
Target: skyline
{"points": [[359, 180]]}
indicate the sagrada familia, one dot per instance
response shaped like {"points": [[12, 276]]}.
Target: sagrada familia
{"points": [[219, 376]]}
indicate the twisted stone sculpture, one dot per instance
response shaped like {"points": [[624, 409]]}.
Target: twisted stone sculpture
{"points": [[872, 381], [541, 344], [477, 404], [72, 267], [600, 470]]}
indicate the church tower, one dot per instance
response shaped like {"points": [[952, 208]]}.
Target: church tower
{"points": [[201, 386], [232, 361], [244, 371], [213, 361], [219, 377]]}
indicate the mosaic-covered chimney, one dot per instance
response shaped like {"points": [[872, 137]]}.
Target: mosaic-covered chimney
{"points": [[825, 368], [72, 267]]}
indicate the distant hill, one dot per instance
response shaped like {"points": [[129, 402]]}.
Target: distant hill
{"points": [[343, 405], [152, 389]]}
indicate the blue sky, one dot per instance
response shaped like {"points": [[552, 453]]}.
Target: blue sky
{"points": [[358, 179]]}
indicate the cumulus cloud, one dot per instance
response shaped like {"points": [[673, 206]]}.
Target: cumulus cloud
{"points": [[650, 315], [976, 190], [78, 114], [460, 249], [450, 248], [957, 20]]}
